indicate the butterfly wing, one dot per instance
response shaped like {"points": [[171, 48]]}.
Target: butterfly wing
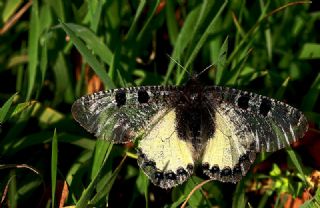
{"points": [[119, 115], [165, 158], [246, 123]]}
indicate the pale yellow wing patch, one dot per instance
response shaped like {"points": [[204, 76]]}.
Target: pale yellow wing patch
{"points": [[227, 157], [165, 158]]}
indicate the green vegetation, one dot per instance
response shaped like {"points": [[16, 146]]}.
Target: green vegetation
{"points": [[53, 52]]}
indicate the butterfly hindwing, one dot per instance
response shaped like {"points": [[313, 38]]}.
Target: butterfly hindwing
{"points": [[164, 157], [119, 115]]}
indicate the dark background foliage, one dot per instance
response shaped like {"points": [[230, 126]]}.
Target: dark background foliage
{"points": [[53, 52]]}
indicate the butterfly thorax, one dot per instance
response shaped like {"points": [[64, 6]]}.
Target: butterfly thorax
{"points": [[194, 123]]}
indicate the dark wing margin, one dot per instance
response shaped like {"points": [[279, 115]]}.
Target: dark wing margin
{"points": [[118, 115], [269, 123]]}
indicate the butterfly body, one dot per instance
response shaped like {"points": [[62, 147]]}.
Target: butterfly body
{"points": [[218, 129]]}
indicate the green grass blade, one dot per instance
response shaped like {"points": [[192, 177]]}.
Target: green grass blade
{"points": [[310, 51], [87, 193], [33, 44], [314, 202], [132, 29], [108, 183], [89, 57], [210, 29], [5, 108], [102, 150], [172, 25], [12, 193], [54, 163], [310, 99], [9, 9], [58, 8], [297, 164], [93, 42], [145, 27], [95, 9], [221, 61], [182, 41]]}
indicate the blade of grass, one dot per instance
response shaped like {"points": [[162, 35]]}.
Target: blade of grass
{"points": [[54, 163], [221, 61], [133, 26], [210, 29], [12, 194], [33, 43], [182, 42], [89, 57], [95, 9], [310, 99], [297, 164], [172, 24], [102, 151], [5, 108], [108, 183], [145, 27], [10, 8], [93, 42], [310, 51], [58, 8]]}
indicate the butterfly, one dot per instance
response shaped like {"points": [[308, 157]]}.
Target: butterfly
{"points": [[216, 129]]}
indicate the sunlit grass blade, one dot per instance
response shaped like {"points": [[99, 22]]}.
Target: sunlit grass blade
{"points": [[314, 202], [33, 44], [88, 56], [101, 152], [54, 163]]}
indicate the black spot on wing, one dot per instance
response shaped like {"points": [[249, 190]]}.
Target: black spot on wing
{"points": [[226, 172], [243, 102], [120, 98], [265, 107], [143, 96]]}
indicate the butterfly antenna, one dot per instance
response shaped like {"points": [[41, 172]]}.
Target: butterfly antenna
{"points": [[208, 67], [172, 59]]}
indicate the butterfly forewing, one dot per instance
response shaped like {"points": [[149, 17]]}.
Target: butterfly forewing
{"points": [[119, 115]]}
